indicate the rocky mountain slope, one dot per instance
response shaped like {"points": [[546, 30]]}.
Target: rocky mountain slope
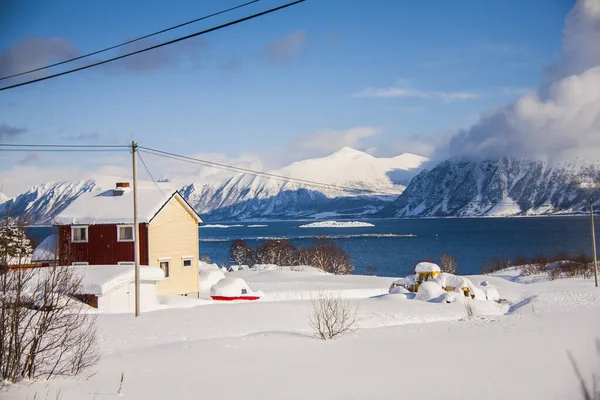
{"points": [[499, 187]]}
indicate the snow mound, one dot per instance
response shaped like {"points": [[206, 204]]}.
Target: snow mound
{"points": [[208, 278], [205, 266], [46, 251], [430, 291], [424, 267], [337, 224], [233, 288]]}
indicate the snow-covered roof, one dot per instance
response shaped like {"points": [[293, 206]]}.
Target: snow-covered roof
{"points": [[424, 267], [101, 279], [105, 208], [46, 251]]}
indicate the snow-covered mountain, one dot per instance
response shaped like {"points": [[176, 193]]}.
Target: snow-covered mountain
{"points": [[42, 202], [378, 181], [499, 187], [250, 197]]}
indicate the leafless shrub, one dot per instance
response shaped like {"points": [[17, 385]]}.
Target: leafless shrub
{"points": [[520, 260], [327, 256], [587, 392], [121, 383], [331, 316], [280, 252], [539, 259], [448, 263], [206, 259], [532, 269], [44, 331], [495, 265], [240, 253]]}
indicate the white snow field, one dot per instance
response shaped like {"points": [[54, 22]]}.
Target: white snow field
{"points": [[403, 348], [337, 224]]}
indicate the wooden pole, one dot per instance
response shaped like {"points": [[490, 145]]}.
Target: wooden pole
{"points": [[593, 241], [136, 242]]}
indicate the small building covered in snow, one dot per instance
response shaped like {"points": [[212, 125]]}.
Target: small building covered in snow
{"points": [[47, 252], [97, 229], [111, 288]]}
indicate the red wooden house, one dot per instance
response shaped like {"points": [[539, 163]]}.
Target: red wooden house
{"points": [[97, 229]]}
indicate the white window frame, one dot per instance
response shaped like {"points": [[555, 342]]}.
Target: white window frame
{"points": [[125, 262], [186, 258], [119, 233], [75, 263], [168, 261], [87, 237]]}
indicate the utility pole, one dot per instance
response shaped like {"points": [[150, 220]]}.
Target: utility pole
{"points": [[136, 242], [594, 241]]}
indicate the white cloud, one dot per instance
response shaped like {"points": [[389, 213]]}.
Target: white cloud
{"points": [[559, 121], [399, 92], [329, 140]]}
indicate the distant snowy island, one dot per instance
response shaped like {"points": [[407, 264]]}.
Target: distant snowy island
{"points": [[220, 226], [337, 224]]}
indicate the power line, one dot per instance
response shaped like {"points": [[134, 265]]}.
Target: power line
{"points": [[231, 168], [237, 21], [129, 41], [150, 174], [65, 145], [64, 150]]}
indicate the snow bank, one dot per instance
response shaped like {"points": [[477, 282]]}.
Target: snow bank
{"points": [[424, 267], [101, 279], [430, 291], [337, 224], [208, 278], [46, 251]]}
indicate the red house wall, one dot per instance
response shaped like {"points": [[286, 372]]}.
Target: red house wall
{"points": [[102, 247]]}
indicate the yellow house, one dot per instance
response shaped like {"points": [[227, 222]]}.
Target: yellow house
{"points": [[97, 229]]}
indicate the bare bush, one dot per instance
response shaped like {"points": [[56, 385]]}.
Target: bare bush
{"points": [[448, 263], [532, 269], [280, 252], [327, 256], [44, 331], [240, 253], [206, 259], [331, 316], [495, 265], [587, 392]]}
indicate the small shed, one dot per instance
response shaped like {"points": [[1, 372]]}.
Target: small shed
{"points": [[47, 251], [111, 288]]}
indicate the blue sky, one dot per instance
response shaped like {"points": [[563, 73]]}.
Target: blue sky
{"points": [[406, 72]]}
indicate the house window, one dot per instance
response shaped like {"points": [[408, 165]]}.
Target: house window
{"points": [[187, 261], [79, 234], [125, 233], [244, 291], [165, 266], [80, 263]]}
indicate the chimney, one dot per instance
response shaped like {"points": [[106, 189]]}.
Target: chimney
{"points": [[120, 188]]}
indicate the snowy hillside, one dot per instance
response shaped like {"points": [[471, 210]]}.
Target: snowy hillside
{"points": [[499, 187], [248, 197], [42, 202]]}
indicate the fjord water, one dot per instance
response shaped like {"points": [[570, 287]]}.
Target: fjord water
{"points": [[393, 246]]}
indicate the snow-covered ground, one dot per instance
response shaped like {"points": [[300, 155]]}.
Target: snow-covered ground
{"points": [[337, 224], [403, 348]]}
